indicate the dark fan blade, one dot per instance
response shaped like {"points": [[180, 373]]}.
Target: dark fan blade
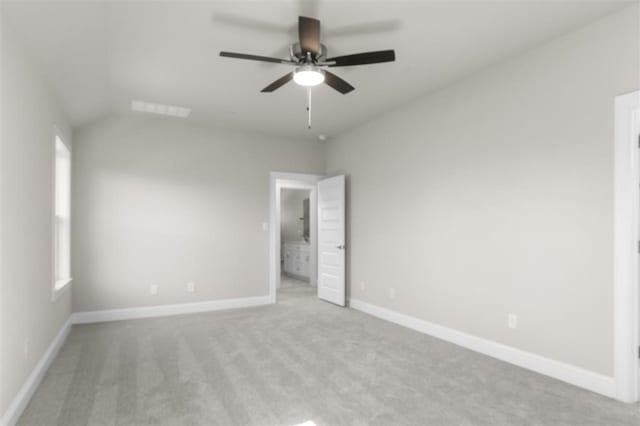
{"points": [[309, 34], [278, 83], [337, 83], [363, 58], [257, 58]]}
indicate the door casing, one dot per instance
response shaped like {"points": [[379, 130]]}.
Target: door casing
{"points": [[626, 244]]}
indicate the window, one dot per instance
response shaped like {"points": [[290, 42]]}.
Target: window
{"points": [[62, 215]]}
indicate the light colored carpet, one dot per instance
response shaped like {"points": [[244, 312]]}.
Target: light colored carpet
{"points": [[300, 360]]}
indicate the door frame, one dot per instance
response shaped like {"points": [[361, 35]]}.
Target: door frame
{"points": [[278, 181], [626, 236]]}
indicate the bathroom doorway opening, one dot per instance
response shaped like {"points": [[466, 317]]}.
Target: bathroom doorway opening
{"points": [[295, 243], [293, 233]]}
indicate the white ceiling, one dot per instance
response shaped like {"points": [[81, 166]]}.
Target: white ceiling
{"points": [[99, 55]]}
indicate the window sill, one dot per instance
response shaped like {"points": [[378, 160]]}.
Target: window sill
{"points": [[60, 287]]}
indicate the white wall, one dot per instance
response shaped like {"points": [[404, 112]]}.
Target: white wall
{"points": [[495, 196], [291, 210], [28, 114], [165, 202]]}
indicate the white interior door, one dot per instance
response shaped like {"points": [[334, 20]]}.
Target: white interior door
{"points": [[635, 120], [331, 240]]}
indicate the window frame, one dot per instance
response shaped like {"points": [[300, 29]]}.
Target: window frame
{"points": [[58, 287]]}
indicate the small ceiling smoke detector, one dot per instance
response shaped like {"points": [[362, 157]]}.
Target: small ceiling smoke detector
{"points": [[322, 137], [170, 110]]}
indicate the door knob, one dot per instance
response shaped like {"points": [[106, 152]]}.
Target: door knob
{"points": [[341, 247]]}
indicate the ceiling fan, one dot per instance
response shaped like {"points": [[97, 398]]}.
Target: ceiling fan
{"points": [[309, 56]]}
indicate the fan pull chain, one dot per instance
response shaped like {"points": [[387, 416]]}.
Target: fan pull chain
{"points": [[309, 108]]}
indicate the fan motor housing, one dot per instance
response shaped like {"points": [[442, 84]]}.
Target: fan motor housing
{"points": [[296, 53]]}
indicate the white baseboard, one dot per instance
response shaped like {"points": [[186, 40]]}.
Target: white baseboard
{"points": [[19, 403], [576, 376], [166, 310]]}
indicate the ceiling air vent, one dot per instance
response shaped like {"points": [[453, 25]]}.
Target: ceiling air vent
{"points": [[170, 110]]}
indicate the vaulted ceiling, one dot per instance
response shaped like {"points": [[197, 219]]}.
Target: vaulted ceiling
{"points": [[99, 55]]}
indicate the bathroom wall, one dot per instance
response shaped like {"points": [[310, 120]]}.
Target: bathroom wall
{"points": [[291, 211]]}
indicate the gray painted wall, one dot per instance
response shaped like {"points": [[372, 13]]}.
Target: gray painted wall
{"points": [[166, 202], [28, 114], [495, 196], [492, 196]]}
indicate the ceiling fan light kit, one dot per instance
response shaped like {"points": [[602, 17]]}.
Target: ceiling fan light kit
{"points": [[308, 55], [308, 76]]}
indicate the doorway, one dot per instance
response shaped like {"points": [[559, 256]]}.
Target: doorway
{"points": [[293, 185], [295, 243], [327, 233]]}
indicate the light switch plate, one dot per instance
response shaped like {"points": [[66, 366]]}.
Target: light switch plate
{"points": [[512, 321]]}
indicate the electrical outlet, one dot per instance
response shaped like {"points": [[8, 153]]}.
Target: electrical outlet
{"points": [[392, 293], [512, 321], [265, 226], [191, 287], [362, 286], [153, 289], [26, 347]]}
